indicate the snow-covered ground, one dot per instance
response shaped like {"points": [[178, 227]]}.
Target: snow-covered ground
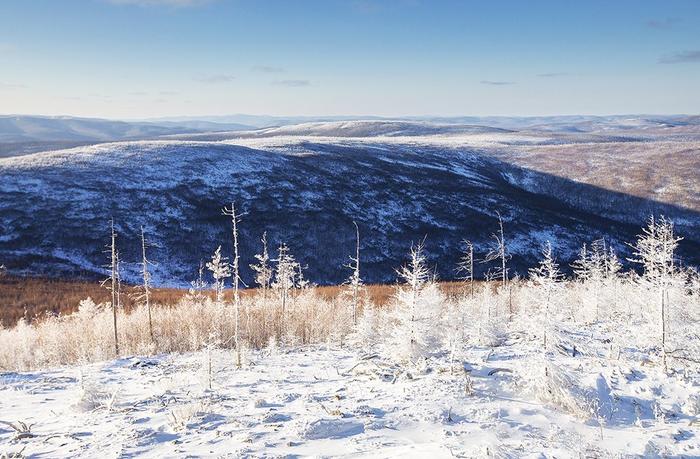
{"points": [[322, 402]]}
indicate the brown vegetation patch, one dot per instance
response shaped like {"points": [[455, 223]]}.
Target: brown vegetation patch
{"points": [[32, 297]]}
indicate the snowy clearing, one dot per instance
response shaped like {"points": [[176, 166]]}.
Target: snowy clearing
{"points": [[312, 402]]}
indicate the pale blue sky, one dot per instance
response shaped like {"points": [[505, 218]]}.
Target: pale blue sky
{"points": [[143, 58]]}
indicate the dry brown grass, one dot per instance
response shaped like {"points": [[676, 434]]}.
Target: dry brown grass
{"points": [[32, 298]]}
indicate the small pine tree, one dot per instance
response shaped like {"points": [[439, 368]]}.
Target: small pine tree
{"points": [[263, 270], [499, 252], [413, 335], [366, 332], [198, 286], [590, 269], [546, 278], [220, 270], [286, 278], [466, 265], [655, 251]]}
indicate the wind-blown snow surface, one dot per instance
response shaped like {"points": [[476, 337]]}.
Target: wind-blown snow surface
{"points": [[306, 189], [328, 403]]}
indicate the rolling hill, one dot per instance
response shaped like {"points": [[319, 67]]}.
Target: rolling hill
{"points": [[400, 182]]}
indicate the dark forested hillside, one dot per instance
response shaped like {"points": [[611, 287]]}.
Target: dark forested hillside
{"points": [[55, 208]]}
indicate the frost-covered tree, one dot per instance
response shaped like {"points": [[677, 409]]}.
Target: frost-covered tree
{"points": [[220, 270], [413, 333], [355, 281], [613, 270], [145, 292], [465, 267], [546, 278], [499, 253], [655, 251], [113, 283], [583, 267], [590, 269], [367, 331], [198, 286], [235, 279], [286, 276], [597, 269], [263, 270], [613, 267], [301, 281]]}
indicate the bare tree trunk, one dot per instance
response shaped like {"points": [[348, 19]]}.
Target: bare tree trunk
{"points": [[471, 270], [502, 252], [114, 267], [236, 277], [663, 328], [147, 285], [356, 283]]}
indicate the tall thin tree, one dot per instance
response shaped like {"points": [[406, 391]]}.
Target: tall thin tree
{"points": [[546, 277], [220, 270], [285, 279], [146, 289], [466, 265], [235, 276], [262, 269], [499, 252], [112, 282], [655, 251], [355, 281]]}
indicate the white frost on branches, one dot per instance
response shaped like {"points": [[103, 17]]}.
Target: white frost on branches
{"points": [[220, 270]]}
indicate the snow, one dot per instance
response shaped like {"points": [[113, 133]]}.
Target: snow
{"points": [[310, 401]]}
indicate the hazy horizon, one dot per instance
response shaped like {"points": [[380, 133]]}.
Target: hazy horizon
{"points": [[341, 116]]}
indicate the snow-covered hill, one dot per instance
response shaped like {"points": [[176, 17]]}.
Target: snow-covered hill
{"points": [[22, 134], [355, 128], [305, 188]]}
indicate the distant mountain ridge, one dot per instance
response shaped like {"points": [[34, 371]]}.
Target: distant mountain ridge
{"points": [[21, 134]]}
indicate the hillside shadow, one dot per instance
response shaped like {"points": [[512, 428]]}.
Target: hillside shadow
{"points": [[397, 194]]}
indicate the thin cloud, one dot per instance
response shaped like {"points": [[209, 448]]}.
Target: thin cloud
{"points": [[681, 58], [138, 93], [292, 83], [166, 3], [221, 78], [267, 69], [552, 74], [497, 83], [666, 23], [168, 93]]}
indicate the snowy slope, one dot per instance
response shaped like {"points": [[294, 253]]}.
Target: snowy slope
{"points": [[315, 402]]}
